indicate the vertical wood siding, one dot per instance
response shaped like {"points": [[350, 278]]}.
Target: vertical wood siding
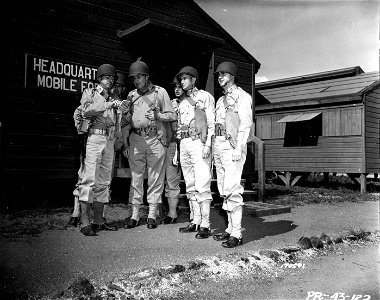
{"points": [[372, 131]]}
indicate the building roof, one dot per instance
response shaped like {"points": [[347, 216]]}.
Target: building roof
{"points": [[346, 86]]}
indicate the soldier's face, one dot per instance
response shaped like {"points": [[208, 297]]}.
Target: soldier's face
{"points": [[187, 81], [119, 88], [140, 81], [178, 91], [107, 81], [225, 79]]}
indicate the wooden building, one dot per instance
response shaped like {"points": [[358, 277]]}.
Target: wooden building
{"points": [[54, 51], [325, 122]]}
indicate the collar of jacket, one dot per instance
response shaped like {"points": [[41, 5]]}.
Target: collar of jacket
{"points": [[192, 92], [230, 89], [145, 91]]}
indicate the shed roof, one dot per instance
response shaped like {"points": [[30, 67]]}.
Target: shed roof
{"points": [[348, 86]]}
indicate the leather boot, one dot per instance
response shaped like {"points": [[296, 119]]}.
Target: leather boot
{"points": [[203, 233], [232, 242], [189, 228]]}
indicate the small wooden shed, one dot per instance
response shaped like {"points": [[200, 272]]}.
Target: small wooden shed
{"points": [[54, 51], [325, 122]]}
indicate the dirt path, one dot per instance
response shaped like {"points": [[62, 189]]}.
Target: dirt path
{"points": [[48, 262]]}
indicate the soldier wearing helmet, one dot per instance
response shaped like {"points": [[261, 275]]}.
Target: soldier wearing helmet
{"points": [[172, 168], [232, 130], [195, 129], [150, 114], [120, 85], [100, 106]]}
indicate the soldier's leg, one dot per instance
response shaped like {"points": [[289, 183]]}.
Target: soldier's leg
{"points": [[156, 156], [173, 178], [234, 200], [137, 163], [89, 173], [187, 166]]}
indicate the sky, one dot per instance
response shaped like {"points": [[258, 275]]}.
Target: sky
{"points": [[298, 37]]}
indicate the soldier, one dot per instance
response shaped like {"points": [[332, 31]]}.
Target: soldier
{"points": [[150, 114], [173, 171], [100, 106], [232, 130], [196, 128], [119, 89]]}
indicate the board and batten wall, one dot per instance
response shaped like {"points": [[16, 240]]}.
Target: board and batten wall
{"points": [[372, 130], [339, 149]]}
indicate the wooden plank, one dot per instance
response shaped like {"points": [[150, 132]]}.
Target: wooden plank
{"points": [[261, 209]]}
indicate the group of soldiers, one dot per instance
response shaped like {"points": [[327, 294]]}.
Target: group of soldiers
{"points": [[153, 131]]}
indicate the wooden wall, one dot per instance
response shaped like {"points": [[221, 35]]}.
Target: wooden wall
{"points": [[372, 130], [339, 148], [333, 154], [38, 137]]}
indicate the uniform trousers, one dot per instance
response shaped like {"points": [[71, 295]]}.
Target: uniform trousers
{"points": [[173, 179], [146, 153], [229, 182], [197, 174], [97, 172]]}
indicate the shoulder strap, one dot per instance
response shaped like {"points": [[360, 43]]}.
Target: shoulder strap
{"points": [[190, 100]]}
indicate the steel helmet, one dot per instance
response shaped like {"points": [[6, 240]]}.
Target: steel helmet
{"points": [[121, 78], [190, 71], [175, 81], [227, 67], [138, 67], [106, 69]]}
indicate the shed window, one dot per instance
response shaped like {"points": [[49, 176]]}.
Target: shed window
{"points": [[302, 129]]}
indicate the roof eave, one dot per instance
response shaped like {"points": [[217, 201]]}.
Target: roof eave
{"points": [[305, 103]]}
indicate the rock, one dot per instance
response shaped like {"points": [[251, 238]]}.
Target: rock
{"points": [[351, 237], [316, 242], [271, 254], [81, 287], [196, 265], [325, 239], [290, 249], [338, 240], [171, 269], [304, 243]]}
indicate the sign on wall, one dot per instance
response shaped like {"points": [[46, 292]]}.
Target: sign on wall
{"points": [[47, 73]]}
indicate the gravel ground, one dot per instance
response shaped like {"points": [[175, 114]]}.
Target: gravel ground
{"points": [[50, 263]]}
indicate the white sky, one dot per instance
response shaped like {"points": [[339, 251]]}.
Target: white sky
{"points": [[293, 38]]}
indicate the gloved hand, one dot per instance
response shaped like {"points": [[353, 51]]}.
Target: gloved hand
{"points": [[116, 103], [126, 151]]}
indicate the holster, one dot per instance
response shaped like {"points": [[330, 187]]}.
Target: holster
{"points": [[200, 123], [232, 127]]}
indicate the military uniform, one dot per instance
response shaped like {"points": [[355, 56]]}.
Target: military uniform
{"points": [[95, 176], [148, 142], [233, 123], [196, 169]]}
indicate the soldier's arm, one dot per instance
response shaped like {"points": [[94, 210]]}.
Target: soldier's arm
{"points": [[210, 115], [92, 106], [245, 116], [166, 112]]}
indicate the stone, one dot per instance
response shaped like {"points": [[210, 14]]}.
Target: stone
{"points": [[271, 254], [316, 242], [304, 243], [325, 239]]}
